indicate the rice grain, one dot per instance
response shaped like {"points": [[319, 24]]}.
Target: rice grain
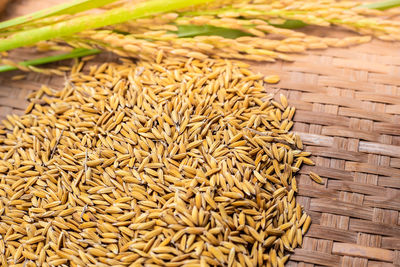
{"points": [[166, 163]]}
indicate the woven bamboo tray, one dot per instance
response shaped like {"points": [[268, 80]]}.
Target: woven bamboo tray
{"points": [[348, 115]]}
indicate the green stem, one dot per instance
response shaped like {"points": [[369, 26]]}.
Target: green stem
{"points": [[114, 16], [384, 5], [80, 52], [66, 8]]}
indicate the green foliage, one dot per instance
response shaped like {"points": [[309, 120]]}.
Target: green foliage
{"points": [[80, 52], [93, 21], [384, 5], [186, 31], [72, 7]]}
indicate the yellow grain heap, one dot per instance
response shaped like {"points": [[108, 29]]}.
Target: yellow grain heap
{"points": [[167, 163]]}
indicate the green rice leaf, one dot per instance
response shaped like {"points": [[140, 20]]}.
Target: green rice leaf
{"points": [[80, 52], [384, 5], [290, 24], [113, 16], [72, 7], [187, 31]]}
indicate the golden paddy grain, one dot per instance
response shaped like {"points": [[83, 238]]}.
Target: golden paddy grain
{"points": [[170, 163]]}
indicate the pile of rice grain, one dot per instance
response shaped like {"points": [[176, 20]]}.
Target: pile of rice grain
{"points": [[158, 164]]}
